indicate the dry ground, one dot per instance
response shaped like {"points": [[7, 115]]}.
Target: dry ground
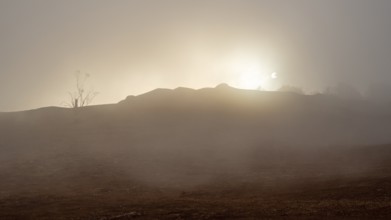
{"points": [[294, 194]]}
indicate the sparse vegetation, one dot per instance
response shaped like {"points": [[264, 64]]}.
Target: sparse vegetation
{"points": [[81, 96]]}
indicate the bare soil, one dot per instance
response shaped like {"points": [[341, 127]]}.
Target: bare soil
{"points": [[101, 196]]}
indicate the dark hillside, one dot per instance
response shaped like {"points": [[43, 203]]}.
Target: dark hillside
{"points": [[221, 143]]}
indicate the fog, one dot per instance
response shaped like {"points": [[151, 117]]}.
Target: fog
{"points": [[207, 109], [187, 138], [131, 47]]}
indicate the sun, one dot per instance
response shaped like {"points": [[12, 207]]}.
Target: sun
{"points": [[250, 79], [253, 79], [251, 73]]}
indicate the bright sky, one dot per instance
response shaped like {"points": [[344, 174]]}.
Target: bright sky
{"points": [[130, 47]]}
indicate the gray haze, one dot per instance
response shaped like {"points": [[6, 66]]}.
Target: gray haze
{"points": [[130, 47]]}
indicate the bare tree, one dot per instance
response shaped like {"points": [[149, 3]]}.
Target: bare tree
{"points": [[81, 97]]}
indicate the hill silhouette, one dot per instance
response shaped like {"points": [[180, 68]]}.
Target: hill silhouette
{"points": [[185, 138]]}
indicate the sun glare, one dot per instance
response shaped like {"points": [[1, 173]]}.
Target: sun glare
{"points": [[251, 71], [250, 79], [255, 79]]}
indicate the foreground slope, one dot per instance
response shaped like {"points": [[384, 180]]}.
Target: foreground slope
{"points": [[210, 150]]}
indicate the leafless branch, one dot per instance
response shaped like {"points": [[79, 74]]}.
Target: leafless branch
{"points": [[81, 97]]}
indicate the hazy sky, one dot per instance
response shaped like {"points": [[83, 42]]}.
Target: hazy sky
{"points": [[130, 47]]}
